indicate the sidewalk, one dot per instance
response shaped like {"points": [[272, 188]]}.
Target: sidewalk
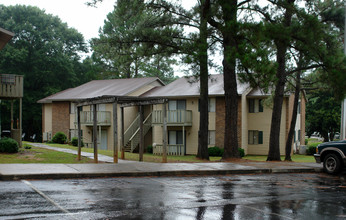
{"points": [[138, 169]]}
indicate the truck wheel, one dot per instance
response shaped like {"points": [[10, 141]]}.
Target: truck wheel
{"points": [[332, 164]]}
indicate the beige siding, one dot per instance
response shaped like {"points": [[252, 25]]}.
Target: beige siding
{"points": [[261, 121], [144, 89], [244, 123]]}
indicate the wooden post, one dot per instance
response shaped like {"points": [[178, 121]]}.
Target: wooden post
{"points": [[11, 115], [122, 134], [115, 132], [164, 147], [95, 133], [141, 143], [79, 134]]}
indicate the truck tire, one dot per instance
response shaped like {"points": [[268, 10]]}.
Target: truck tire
{"points": [[332, 164]]}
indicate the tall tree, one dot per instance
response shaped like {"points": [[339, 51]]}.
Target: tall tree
{"points": [[45, 50]]}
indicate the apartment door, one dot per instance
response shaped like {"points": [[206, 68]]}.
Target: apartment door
{"points": [[102, 140]]}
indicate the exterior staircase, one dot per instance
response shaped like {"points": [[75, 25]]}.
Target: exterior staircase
{"points": [[132, 134]]}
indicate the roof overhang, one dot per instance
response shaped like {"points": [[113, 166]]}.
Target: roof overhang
{"points": [[5, 37], [124, 101]]}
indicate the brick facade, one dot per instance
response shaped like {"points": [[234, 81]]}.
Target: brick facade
{"points": [[220, 122], [61, 117]]}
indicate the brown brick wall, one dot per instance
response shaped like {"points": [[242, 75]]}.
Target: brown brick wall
{"points": [[61, 117], [220, 122]]}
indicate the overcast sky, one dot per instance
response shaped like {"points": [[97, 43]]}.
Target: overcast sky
{"points": [[87, 20]]}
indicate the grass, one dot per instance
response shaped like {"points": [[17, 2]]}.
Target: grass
{"points": [[181, 159], [41, 155]]}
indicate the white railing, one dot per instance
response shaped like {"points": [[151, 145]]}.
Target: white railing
{"points": [[87, 117], [174, 117], [172, 149]]}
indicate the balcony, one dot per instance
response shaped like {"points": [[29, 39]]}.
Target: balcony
{"points": [[87, 118], [11, 86], [174, 117]]}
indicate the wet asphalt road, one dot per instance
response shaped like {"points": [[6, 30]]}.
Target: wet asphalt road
{"points": [[275, 196]]}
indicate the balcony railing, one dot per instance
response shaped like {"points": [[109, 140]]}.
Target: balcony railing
{"points": [[11, 86], [174, 117], [87, 118], [172, 149]]}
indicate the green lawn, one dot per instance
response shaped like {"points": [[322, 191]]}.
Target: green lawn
{"points": [[188, 158], [41, 155]]}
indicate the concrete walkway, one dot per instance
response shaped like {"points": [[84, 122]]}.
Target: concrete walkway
{"points": [[137, 169]]}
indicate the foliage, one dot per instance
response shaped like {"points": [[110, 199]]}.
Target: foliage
{"points": [[218, 152], [43, 50], [74, 142], [59, 138], [8, 145], [322, 114], [127, 44], [26, 146], [150, 149]]}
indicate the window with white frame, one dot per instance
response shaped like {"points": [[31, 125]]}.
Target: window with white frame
{"points": [[72, 108], [255, 137], [255, 105]]}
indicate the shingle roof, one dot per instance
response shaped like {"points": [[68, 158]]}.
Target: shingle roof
{"points": [[188, 86], [5, 36], [97, 88]]}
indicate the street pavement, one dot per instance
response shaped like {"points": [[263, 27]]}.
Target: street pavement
{"points": [[137, 169]]}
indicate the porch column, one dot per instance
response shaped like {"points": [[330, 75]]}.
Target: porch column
{"points": [[164, 141], [79, 134], [115, 132], [122, 134], [11, 115], [183, 153], [20, 121], [141, 142], [95, 133]]}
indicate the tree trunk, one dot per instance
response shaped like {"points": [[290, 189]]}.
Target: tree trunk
{"points": [[282, 45], [229, 33], [203, 78], [288, 147]]}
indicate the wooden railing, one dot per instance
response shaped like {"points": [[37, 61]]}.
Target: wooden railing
{"points": [[87, 118], [172, 149], [174, 117], [11, 86]]}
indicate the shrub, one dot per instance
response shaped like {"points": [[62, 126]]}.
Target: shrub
{"points": [[311, 149], [150, 149], [74, 142], [26, 146], [215, 151], [218, 152], [8, 145], [59, 138], [241, 152]]}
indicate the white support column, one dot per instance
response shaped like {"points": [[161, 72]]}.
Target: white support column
{"points": [[343, 121]]}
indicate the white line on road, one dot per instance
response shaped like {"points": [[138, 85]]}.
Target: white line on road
{"points": [[46, 197]]}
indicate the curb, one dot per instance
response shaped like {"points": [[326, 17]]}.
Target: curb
{"points": [[56, 176]]}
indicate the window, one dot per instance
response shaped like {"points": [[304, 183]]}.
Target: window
{"points": [[175, 137], [211, 137], [211, 105], [255, 105], [299, 107], [176, 105], [255, 137]]}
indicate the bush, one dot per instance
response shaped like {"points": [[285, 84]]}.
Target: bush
{"points": [[59, 138], [218, 152], [241, 152], [74, 142], [150, 149], [8, 145], [215, 151], [26, 146], [311, 149]]}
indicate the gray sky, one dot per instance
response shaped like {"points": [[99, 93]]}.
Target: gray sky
{"points": [[87, 20]]}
